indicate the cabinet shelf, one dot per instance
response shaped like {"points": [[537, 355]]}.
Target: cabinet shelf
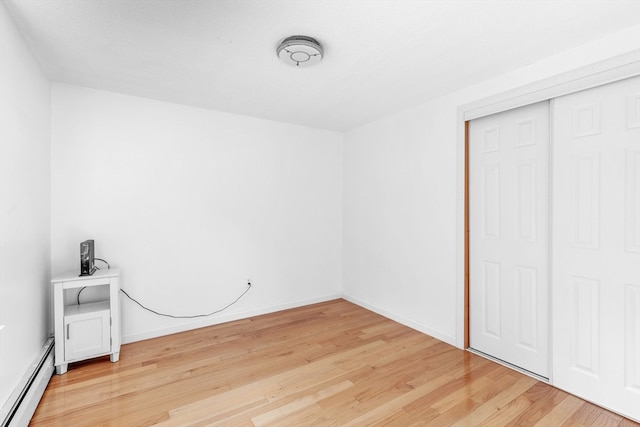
{"points": [[75, 309]]}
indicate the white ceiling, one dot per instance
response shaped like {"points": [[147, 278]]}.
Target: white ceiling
{"points": [[380, 56]]}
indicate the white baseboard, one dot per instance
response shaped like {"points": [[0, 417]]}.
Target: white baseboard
{"points": [[20, 412], [140, 336], [449, 339]]}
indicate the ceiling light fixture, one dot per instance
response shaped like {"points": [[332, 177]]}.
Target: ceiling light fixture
{"points": [[301, 51]]}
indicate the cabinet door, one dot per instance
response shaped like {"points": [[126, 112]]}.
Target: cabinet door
{"points": [[87, 335]]}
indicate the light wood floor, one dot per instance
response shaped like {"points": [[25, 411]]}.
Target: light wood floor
{"points": [[332, 363]]}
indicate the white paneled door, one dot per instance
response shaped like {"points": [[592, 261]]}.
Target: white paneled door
{"points": [[596, 245], [509, 236]]}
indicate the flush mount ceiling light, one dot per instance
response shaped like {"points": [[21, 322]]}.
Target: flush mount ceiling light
{"points": [[301, 51]]}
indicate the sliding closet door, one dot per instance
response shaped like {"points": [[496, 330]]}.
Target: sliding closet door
{"points": [[596, 245], [508, 240]]}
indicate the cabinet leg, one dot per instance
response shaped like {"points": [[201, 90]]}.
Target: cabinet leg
{"points": [[115, 357], [61, 369]]}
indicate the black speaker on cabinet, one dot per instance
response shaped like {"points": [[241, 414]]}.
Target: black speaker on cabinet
{"points": [[87, 262]]}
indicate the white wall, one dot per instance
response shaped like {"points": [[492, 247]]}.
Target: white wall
{"points": [[190, 203], [25, 109], [403, 199], [399, 187]]}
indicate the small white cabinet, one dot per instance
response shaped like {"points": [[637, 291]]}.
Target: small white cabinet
{"points": [[88, 329]]}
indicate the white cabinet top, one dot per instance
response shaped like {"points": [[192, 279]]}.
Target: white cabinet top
{"points": [[72, 276]]}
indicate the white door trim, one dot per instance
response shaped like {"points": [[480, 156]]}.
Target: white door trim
{"points": [[614, 69]]}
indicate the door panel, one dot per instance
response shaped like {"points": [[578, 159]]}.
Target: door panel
{"points": [[508, 240], [596, 245], [87, 335]]}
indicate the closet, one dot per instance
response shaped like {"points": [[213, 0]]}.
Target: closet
{"points": [[554, 241]]}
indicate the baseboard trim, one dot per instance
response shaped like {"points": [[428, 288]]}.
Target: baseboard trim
{"points": [[140, 336], [403, 320], [22, 403]]}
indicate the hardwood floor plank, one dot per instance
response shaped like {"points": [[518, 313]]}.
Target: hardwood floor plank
{"points": [[270, 417], [496, 403], [508, 413], [326, 364], [561, 412], [394, 405], [589, 414]]}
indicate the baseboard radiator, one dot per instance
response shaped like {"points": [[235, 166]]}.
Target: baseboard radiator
{"points": [[22, 403]]}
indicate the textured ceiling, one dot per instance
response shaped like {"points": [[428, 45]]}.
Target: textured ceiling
{"points": [[380, 56]]}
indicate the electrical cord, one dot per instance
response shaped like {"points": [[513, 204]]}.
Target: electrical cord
{"points": [[173, 316], [84, 287], [165, 314], [79, 292], [100, 259]]}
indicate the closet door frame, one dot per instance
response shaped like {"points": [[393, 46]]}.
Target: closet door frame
{"points": [[603, 72]]}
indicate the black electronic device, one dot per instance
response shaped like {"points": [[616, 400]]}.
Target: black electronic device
{"points": [[87, 262]]}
